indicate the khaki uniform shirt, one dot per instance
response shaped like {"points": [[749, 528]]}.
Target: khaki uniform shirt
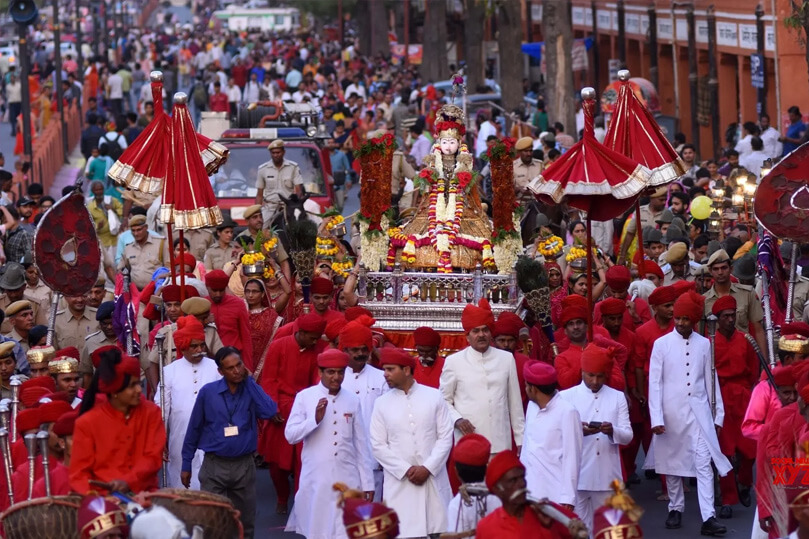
{"points": [[40, 309], [92, 342], [401, 170], [670, 278], [647, 218], [41, 293], [212, 341], [200, 239], [143, 259], [216, 257], [72, 331], [748, 305], [800, 296], [23, 342], [523, 174], [277, 181]]}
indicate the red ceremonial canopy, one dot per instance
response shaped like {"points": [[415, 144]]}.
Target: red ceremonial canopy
{"points": [[781, 202], [633, 132], [592, 177]]}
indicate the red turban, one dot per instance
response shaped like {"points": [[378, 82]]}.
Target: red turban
{"points": [[539, 373], [426, 336], [501, 463], [803, 392], [725, 303], [662, 295], [59, 396], [171, 292], [353, 313], [321, 285], [574, 307], [612, 306], [28, 420], [595, 359], [796, 328], [332, 359], [30, 396], [618, 278], [189, 328], [96, 355], [356, 335], [681, 287], [70, 351], [783, 375], [40, 381], [334, 326], [689, 305], [64, 425], [187, 260], [509, 324], [128, 365], [51, 411], [312, 323], [650, 266], [478, 315], [396, 356], [216, 280], [472, 450]]}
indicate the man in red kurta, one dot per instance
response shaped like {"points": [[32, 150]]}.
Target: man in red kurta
{"points": [[506, 333], [430, 363], [48, 414], [59, 469], [291, 367], [230, 315], [322, 291], [736, 367], [637, 310]]}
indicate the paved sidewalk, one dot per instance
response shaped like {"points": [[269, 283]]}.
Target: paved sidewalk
{"points": [[68, 173]]}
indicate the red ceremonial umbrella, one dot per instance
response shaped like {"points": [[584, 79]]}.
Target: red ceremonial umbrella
{"points": [[594, 179]]}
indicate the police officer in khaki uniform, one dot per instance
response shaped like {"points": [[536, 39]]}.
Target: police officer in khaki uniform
{"points": [[14, 289], [401, 170], [679, 267], [35, 289], [221, 252], [145, 254], [748, 305], [105, 336], [21, 315], [74, 324], [199, 240], [526, 168], [277, 177]]}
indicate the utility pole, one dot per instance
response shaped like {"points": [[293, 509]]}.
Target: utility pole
{"points": [[25, 68], [60, 94], [693, 78], [713, 81], [79, 41], [762, 90], [653, 65]]}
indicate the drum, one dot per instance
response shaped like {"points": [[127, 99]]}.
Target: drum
{"points": [[215, 514], [54, 517]]}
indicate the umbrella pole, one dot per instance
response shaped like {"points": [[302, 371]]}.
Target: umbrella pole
{"points": [[589, 281], [171, 252], [639, 231], [182, 269]]}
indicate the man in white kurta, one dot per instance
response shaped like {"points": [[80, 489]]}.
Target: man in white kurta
{"points": [[553, 438], [685, 440], [480, 384], [605, 424], [411, 437], [328, 420], [183, 379]]}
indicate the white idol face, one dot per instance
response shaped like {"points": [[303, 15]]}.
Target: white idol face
{"points": [[449, 145]]}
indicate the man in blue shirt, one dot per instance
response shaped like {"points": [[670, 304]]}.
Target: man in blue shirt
{"points": [[224, 425], [795, 130]]}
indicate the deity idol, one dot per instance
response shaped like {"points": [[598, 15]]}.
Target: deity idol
{"points": [[450, 229]]}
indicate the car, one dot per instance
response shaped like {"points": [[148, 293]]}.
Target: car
{"points": [[235, 183]]}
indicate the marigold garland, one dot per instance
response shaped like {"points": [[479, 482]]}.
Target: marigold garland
{"points": [[334, 221], [252, 258], [578, 252], [326, 246], [342, 268], [551, 246]]}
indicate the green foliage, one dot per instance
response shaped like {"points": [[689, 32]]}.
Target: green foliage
{"points": [[799, 19], [531, 274]]}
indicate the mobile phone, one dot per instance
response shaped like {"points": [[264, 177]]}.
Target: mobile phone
{"points": [[594, 424]]}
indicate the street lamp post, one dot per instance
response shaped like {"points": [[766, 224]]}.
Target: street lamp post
{"points": [[25, 68], [57, 52], [79, 41], [762, 90]]}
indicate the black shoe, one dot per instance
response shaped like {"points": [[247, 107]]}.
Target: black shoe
{"points": [[712, 527], [650, 474], [725, 511], [675, 520], [633, 479], [744, 496]]}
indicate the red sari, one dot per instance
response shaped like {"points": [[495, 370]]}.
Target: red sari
{"points": [[263, 325]]}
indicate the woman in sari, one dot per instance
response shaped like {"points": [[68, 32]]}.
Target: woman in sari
{"points": [[264, 319], [558, 291]]}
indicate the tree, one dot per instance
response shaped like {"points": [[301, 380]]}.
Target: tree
{"points": [[799, 20], [509, 43], [558, 32], [434, 65], [473, 44]]}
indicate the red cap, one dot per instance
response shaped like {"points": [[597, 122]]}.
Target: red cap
{"points": [[509, 324], [650, 266], [396, 356], [539, 373], [501, 464], [352, 313], [426, 336], [216, 280], [472, 450], [128, 365], [363, 519], [355, 334], [29, 397], [65, 424], [618, 278], [28, 420], [98, 516], [70, 351], [783, 375], [725, 303], [574, 307], [334, 326], [321, 285], [59, 396], [187, 260], [612, 306], [171, 292], [662, 295], [595, 359], [690, 306], [332, 359], [51, 411], [96, 355], [45, 382], [312, 323], [478, 315]]}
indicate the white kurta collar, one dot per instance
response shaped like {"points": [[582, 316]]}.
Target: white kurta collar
{"points": [[474, 354], [401, 392], [551, 403]]}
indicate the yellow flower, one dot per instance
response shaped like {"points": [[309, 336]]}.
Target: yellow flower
{"points": [[551, 246]]}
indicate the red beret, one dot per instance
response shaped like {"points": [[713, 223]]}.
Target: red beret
{"points": [[332, 359], [312, 323], [396, 356], [574, 307], [662, 295], [321, 285], [539, 373], [64, 425], [612, 306], [355, 334], [509, 324], [618, 278], [51, 411], [334, 326], [478, 315], [725, 303], [690, 305], [29, 397], [783, 375], [472, 450], [96, 355], [216, 280], [70, 351], [187, 260], [650, 266], [355, 312], [595, 359], [426, 336], [796, 328], [501, 464], [171, 292], [128, 365], [28, 420]]}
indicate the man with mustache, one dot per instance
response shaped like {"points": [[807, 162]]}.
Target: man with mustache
{"points": [[183, 379]]}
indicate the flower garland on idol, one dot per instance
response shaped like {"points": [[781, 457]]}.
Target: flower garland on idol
{"points": [[376, 160], [506, 212]]}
